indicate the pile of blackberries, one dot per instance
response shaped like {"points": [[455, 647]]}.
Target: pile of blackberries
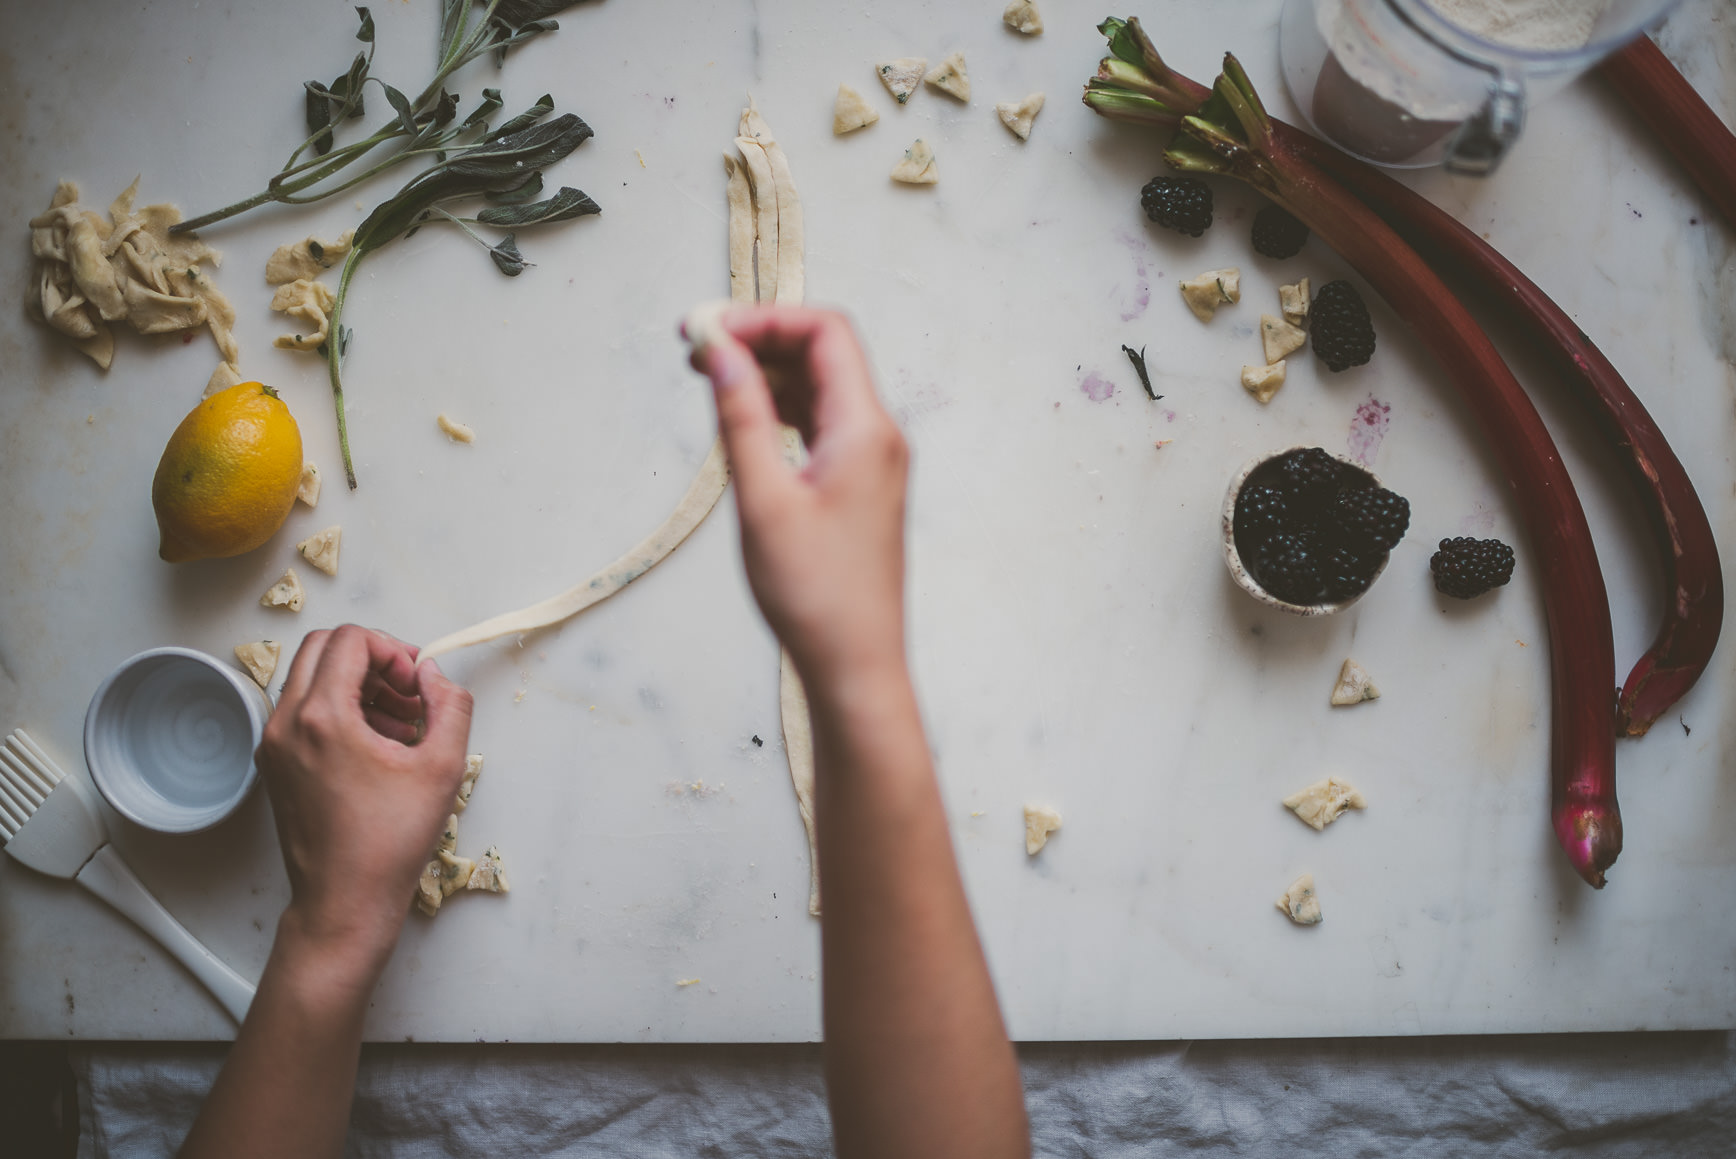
{"points": [[1312, 529]]}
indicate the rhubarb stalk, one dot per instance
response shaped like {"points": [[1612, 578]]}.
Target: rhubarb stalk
{"points": [[1231, 134], [1693, 612], [1676, 115]]}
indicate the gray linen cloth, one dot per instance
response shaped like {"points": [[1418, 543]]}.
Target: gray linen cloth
{"points": [[1603, 1096]]}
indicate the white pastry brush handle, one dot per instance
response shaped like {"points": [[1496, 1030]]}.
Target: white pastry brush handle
{"points": [[108, 877]]}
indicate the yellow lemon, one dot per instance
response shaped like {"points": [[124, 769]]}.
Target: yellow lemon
{"points": [[227, 479]]}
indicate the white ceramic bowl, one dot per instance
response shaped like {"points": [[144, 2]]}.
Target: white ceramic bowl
{"points": [[169, 738], [1233, 558]]}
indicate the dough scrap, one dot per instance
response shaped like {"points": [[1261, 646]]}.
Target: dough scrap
{"points": [[1354, 686], [1022, 16], [1280, 338], [1293, 302], [312, 303], [1017, 116], [307, 258], [285, 593], [950, 77], [260, 659], [1263, 382], [453, 429], [1040, 821], [1212, 289], [428, 893], [1323, 802], [321, 549], [455, 872], [917, 167], [851, 111], [1300, 903], [901, 76], [489, 874], [307, 491], [467, 786], [224, 377], [703, 325]]}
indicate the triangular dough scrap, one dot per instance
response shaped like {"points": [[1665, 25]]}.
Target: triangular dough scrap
{"points": [[1040, 821], [1018, 116], [489, 874], [851, 111], [1022, 16], [1354, 686], [321, 549], [285, 593], [917, 167], [308, 258], [1279, 338], [1323, 802], [950, 77], [259, 659], [901, 76], [307, 491], [1300, 903]]}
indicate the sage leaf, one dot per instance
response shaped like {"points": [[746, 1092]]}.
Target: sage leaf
{"points": [[507, 258], [401, 105], [545, 105], [365, 33], [518, 13], [563, 206], [318, 108], [517, 195], [490, 105]]}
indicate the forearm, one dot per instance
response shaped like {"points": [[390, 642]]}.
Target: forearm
{"points": [[917, 1057], [286, 1086]]}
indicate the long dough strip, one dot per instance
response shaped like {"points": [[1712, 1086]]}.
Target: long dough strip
{"points": [[799, 748], [702, 495], [765, 202], [788, 256], [741, 277]]}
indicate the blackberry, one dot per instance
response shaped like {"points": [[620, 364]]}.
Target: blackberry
{"points": [[1371, 518], [1341, 331], [1277, 234], [1312, 477], [1465, 567], [1288, 566], [1183, 204], [1260, 509], [1347, 571]]}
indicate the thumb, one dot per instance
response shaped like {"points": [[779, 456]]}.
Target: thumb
{"points": [[747, 417], [445, 710]]}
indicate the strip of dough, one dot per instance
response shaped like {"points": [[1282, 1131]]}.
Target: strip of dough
{"points": [[765, 201], [702, 495], [799, 748], [741, 287], [790, 240]]}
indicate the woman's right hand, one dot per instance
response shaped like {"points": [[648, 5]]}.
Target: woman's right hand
{"points": [[823, 543]]}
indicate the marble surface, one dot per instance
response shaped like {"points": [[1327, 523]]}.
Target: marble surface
{"points": [[1075, 635]]}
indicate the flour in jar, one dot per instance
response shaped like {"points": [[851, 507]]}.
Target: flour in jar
{"points": [[1385, 55]]}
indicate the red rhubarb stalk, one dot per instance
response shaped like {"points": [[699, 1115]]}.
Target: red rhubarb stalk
{"points": [[1676, 116], [1231, 134], [1693, 612]]}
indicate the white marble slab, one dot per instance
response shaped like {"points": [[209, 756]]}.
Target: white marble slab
{"points": [[1076, 638]]}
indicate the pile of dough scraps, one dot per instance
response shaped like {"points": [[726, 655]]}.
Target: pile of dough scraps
{"points": [[90, 272], [447, 872]]}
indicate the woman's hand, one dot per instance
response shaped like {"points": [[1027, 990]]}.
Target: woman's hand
{"points": [[823, 545], [358, 798]]}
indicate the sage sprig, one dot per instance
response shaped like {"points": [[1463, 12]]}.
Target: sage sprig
{"points": [[318, 168], [503, 167]]}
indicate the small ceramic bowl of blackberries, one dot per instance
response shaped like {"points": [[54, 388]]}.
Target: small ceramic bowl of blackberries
{"points": [[1308, 532]]}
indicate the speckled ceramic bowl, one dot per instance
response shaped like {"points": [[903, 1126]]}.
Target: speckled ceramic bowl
{"points": [[1233, 557], [169, 739]]}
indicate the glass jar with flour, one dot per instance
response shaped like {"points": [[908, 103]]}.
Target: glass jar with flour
{"points": [[1411, 83]]}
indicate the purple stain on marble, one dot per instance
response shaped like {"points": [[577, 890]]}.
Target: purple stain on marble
{"points": [[1141, 297], [1095, 387], [1480, 522], [1368, 428]]}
